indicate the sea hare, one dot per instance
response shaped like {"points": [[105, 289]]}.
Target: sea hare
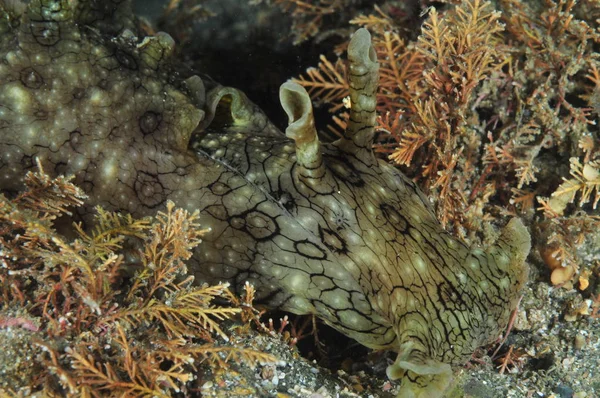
{"points": [[327, 229]]}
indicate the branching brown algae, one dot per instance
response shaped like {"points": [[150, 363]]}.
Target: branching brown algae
{"points": [[324, 229]]}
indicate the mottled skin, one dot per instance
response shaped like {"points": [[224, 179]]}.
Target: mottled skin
{"points": [[326, 229]]}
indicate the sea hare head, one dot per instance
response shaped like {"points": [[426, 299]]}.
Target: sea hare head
{"points": [[441, 298]]}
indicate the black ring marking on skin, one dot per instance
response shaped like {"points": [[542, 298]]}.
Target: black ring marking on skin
{"points": [[149, 190], [31, 78], [149, 122]]}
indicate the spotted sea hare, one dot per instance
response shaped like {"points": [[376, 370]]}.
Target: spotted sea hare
{"points": [[325, 229]]}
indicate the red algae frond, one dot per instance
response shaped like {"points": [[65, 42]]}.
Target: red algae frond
{"points": [[104, 324]]}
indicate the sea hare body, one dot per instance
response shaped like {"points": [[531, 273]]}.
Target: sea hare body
{"points": [[318, 228]]}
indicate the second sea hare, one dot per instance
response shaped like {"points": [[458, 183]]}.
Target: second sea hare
{"points": [[325, 229]]}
